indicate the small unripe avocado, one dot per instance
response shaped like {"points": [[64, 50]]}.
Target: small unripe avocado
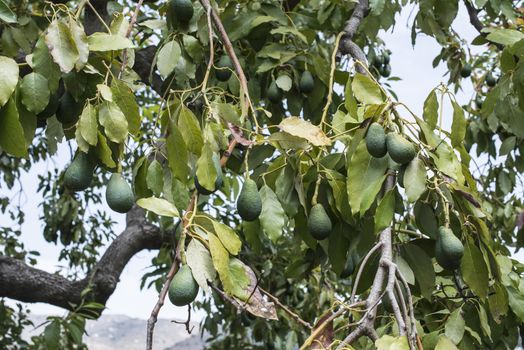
{"points": [[318, 223], [218, 182], [249, 203], [79, 173], [119, 195], [491, 80], [385, 70], [466, 70], [274, 94], [181, 10], [183, 288], [378, 61], [68, 109], [448, 249], [224, 65], [376, 140], [386, 57], [399, 149], [351, 264], [307, 83]]}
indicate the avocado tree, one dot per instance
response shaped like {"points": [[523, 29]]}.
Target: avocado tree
{"points": [[259, 148]]}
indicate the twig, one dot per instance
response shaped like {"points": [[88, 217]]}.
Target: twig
{"points": [[293, 315], [226, 297], [128, 33], [477, 24], [187, 322], [361, 269]]}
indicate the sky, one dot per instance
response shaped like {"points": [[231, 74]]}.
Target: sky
{"points": [[412, 64]]}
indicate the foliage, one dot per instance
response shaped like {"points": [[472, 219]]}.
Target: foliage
{"points": [[160, 118]]}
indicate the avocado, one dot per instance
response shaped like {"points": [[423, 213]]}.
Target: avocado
{"points": [[79, 173], [466, 70], [479, 102], [376, 140], [385, 70], [386, 57], [183, 288], [448, 249], [224, 65], [352, 261], [249, 203], [318, 223], [218, 182], [399, 149], [306, 83], [491, 81], [119, 195], [181, 11], [274, 94], [68, 109], [378, 61]]}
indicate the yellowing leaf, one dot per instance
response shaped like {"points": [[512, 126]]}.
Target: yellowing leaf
{"points": [[445, 344], [228, 237], [201, 264], [107, 42], [113, 121], [62, 46], [88, 125], [158, 206], [304, 129]]}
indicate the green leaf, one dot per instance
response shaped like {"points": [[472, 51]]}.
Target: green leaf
{"points": [[113, 121], [272, 218], [474, 269], [158, 206], [385, 211], [88, 124], [228, 271], [484, 323], [54, 133], [445, 344], [44, 65], [168, 57], [284, 82], [498, 301], [387, 342], [190, 130], [201, 264], [304, 129], [124, 97], [108, 42], [28, 120], [455, 326], [6, 14], [62, 46], [8, 78], [239, 279], [458, 128], [52, 335], [35, 92], [177, 154], [516, 302], [505, 36], [228, 237], [422, 267], [80, 39], [431, 109], [366, 90], [365, 177], [416, 179], [11, 132], [227, 112], [155, 177], [205, 169], [104, 152]]}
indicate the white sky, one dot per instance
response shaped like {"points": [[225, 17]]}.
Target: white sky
{"points": [[413, 65]]}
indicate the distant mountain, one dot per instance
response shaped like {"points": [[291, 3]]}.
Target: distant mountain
{"points": [[112, 332]]}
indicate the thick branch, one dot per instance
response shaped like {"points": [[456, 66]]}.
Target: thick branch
{"points": [[347, 46], [25, 283], [476, 23]]}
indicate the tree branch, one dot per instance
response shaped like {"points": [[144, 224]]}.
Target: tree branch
{"points": [[25, 283], [347, 46], [476, 23]]}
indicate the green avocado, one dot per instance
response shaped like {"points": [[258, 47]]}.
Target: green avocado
{"points": [[376, 140], [448, 249], [466, 70], [68, 109], [352, 261], [491, 81], [400, 150], [249, 203], [183, 288], [385, 70], [218, 182], [119, 195], [306, 83], [318, 223], [377, 61], [79, 173], [386, 57], [224, 65], [180, 11], [274, 94]]}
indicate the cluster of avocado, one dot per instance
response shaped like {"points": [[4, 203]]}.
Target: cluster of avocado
{"points": [[183, 288], [448, 249], [379, 143], [306, 85], [381, 63], [78, 176]]}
